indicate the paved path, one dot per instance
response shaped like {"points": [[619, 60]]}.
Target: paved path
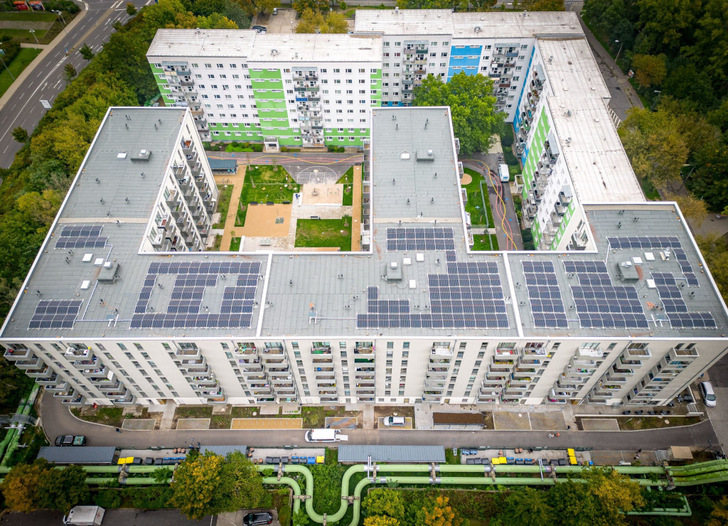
{"points": [[237, 181], [58, 420], [356, 195]]}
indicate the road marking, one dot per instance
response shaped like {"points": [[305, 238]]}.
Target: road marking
{"points": [[57, 83]]}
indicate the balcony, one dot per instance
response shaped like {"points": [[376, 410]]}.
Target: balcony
{"points": [[50, 379], [31, 362]]}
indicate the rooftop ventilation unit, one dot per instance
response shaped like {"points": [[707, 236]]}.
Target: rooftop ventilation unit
{"points": [[143, 155]]}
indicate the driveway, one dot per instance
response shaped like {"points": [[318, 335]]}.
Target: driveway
{"points": [[120, 517]]}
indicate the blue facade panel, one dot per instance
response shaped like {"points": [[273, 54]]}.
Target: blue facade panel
{"points": [[464, 58]]}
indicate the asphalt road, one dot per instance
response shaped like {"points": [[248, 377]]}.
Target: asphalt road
{"points": [[57, 420], [47, 79], [120, 517]]}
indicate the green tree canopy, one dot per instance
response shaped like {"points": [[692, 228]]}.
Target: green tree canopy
{"points": [[650, 70], [527, 507], [39, 485], [314, 22], [472, 105], [209, 484], [382, 501]]}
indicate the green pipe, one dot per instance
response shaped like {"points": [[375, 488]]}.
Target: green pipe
{"points": [[13, 437], [294, 486]]}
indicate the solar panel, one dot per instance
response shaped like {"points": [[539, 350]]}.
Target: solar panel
{"points": [[402, 238], [469, 295], [547, 307], [55, 314], [599, 304], [675, 307]]}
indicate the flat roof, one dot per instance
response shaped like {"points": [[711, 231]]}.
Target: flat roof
{"points": [[597, 162], [436, 287], [264, 47], [223, 451], [78, 455], [376, 453], [493, 24]]}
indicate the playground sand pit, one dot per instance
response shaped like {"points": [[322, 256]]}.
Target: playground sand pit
{"points": [[266, 221], [466, 179], [322, 194]]}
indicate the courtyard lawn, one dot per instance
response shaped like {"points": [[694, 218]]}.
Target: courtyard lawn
{"points": [[324, 233], [474, 206], [235, 244], [19, 63], [265, 184], [226, 193], [28, 16], [347, 180], [485, 242]]}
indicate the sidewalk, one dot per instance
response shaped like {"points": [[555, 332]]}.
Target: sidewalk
{"points": [[237, 181]]}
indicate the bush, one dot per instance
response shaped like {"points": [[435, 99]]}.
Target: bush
{"points": [[149, 498], [284, 515], [61, 5], [11, 49], [108, 498]]}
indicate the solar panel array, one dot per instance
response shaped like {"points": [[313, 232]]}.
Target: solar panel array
{"points": [[469, 296], [81, 236], [601, 305], [675, 307], [544, 294], [185, 304], [419, 238], [660, 242], [55, 314], [654, 242]]}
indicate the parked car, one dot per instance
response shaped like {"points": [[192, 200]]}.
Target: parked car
{"points": [[252, 519], [706, 389], [275, 10], [260, 29], [394, 421], [70, 440]]}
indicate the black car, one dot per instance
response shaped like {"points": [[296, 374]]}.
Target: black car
{"points": [[260, 29], [257, 518], [70, 440]]}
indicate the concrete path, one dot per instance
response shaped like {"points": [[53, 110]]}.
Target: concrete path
{"points": [[356, 196], [237, 181], [168, 416]]}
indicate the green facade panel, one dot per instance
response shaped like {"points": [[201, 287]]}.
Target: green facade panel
{"points": [[264, 73]]}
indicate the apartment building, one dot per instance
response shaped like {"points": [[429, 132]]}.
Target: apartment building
{"points": [[284, 89], [108, 316]]}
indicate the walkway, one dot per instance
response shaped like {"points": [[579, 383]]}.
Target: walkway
{"points": [[237, 181], [356, 195]]}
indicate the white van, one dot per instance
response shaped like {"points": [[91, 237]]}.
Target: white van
{"points": [[706, 389], [85, 516], [503, 172], [394, 421], [325, 435]]}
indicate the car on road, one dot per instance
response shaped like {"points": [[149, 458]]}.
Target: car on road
{"points": [[260, 29], [394, 421], [252, 519], [70, 440]]}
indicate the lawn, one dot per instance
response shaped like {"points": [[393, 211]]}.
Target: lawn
{"points": [[324, 233], [235, 244], [223, 203], [19, 63], [110, 416], [194, 411], [315, 416], [485, 242], [347, 180], [654, 422], [474, 206], [23, 34], [265, 184], [28, 16]]}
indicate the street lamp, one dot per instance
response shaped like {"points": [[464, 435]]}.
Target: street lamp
{"points": [[60, 13], [2, 52], [32, 32], [620, 49], [657, 98]]}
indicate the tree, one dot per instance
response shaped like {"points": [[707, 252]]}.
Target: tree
{"points": [[539, 5], [383, 501], [528, 507], [70, 72], [655, 146], [266, 6], [215, 21], [650, 69], [314, 5], [440, 513], [21, 134], [715, 251], [131, 9], [209, 484], [41, 207], [86, 52], [335, 23], [380, 520], [472, 104], [22, 486], [63, 489], [600, 497], [691, 207]]}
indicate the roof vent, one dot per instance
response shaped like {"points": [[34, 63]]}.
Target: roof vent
{"points": [[143, 155]]}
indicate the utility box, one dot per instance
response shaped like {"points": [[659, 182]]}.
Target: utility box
{"points": [[85, 516]]}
